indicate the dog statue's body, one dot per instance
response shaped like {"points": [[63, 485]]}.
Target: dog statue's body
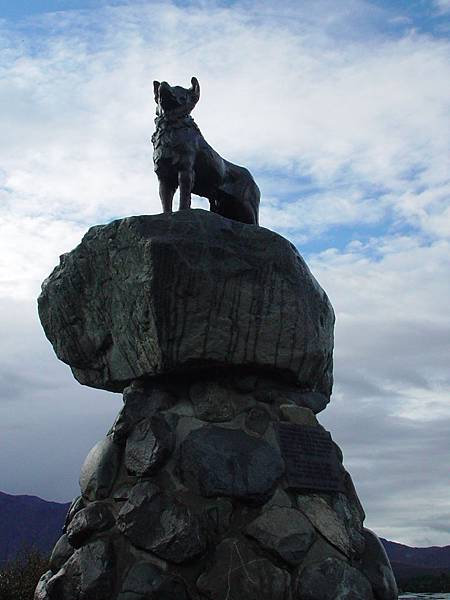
{"points": [[184, 159]]}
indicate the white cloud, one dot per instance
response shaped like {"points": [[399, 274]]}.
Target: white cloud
{"points": [[442, 5], [30, 248], [390, 408], [316, 213]]}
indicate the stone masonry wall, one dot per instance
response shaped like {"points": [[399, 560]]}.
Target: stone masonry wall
{"points": [[186, 498]]}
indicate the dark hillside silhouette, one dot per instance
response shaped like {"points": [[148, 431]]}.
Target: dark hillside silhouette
{"points": [[28, 522]]}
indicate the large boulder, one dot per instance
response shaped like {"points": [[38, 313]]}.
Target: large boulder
{"points": [[377, 568], [332, 579], [151, 295], [228, 462], [238, 572], [284, 531]]}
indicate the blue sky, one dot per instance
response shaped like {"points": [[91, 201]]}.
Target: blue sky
{"points": [[340, 110]]}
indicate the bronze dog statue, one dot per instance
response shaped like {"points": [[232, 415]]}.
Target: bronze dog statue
{"points": [[184, 159]]}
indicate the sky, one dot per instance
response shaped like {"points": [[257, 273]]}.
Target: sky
{"points": [[341, 110]]}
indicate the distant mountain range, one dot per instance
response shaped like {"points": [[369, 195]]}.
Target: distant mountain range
{"points": [[434, 557], [28, 521], [409, 562]]}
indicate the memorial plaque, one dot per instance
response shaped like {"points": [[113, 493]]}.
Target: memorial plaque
{"points": [[311, 458]]}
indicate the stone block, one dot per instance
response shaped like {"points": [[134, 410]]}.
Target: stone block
{"points": [[100, 469], [224, 462], [150, 295]]}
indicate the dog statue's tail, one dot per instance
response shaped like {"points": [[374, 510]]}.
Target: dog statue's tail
{"points": [[238, 196]]}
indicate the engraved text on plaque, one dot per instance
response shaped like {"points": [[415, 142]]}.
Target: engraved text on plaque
{"points": [[310, 457]]}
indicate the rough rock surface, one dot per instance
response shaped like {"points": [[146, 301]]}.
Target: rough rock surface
{"points": [[62, 551], [148, 446], [298, 415], [238, 572], [150, 295], [222, 462], [96, 517], [377, 568], [333, 579], [344, 531], [99, 470], [88, 574], [145, 580], [161, 525], [284, 531], [211, 402]]}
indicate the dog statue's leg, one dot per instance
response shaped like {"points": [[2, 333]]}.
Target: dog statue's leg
{"points": [[166, 193], [185, 182]]}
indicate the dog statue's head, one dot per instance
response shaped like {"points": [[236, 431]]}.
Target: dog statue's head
{"points": [[176, 100]]}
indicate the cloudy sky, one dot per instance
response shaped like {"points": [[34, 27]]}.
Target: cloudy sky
{"points": [[341, 111]]}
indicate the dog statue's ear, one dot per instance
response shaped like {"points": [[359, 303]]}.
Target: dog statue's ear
{"points": [[156, 85], [195, 88]]}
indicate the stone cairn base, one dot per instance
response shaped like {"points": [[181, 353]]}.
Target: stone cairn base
{"points": [[215, 482], [186, 499]]}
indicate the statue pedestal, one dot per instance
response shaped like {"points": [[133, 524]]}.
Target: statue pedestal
{"points": [[216, 480]]}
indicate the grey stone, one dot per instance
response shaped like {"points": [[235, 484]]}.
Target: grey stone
{"points": [[319, 551], [270, 396], [276, 391], [223, 462], [298, 414], [326, 521], [77, 504], [61, 553], [284, 531], [237, 572], [211, 401], [89, 574], [140, 495], [243, 402], [162, 525], [245, 383], [148, 446], [145, 580], [151, 295], [140, 402], [96, 563], [332, 579], [179, 535], [96, 517], [182, 409], [280, 498], [122, 491], [41, 592], [316, 401], [99, 470], [349, 513], [377, 568], [257, 420], [219, 515], [186, 425], [136, 516]]}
